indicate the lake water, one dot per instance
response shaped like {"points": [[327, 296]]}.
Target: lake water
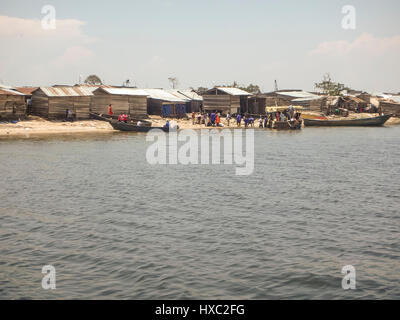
{"points": [[115, 227]]}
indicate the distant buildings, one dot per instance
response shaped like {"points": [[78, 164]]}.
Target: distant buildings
{"points": [[81, 100]]}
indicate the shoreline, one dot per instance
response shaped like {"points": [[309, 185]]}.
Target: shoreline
{"points": [[35, 126]]}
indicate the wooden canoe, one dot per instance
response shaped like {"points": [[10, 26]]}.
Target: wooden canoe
{"points": [[129, 127], [365, 122]]}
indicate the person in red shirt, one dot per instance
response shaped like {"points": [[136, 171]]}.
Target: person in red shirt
{"points": [[110, 110], [120, 119], [217, 119], [125, 118]]}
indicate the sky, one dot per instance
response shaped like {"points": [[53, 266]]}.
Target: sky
{"points": [[202, 43]]}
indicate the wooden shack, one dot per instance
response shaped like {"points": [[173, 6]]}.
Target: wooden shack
{"points": [[161, 102], [257, 104], [52, 102], [12, 104], [226, 99], [309, 101], [27, 91], [123, 100], [390, 107]]}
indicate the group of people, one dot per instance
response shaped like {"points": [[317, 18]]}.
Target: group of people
{"points": [[123, 118], [212, 119]]}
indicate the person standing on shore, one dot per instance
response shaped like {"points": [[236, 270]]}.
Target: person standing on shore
{"points": [[291, 112], [110, 112], [217, 119], [228, 118], [68, 115], [193, 117], [260, 122], [239, 120], [205, 118], [213, 116]]}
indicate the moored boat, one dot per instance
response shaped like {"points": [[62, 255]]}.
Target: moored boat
{"points": [[365, 122], [100, 117], [123, 126], [284, 118]]}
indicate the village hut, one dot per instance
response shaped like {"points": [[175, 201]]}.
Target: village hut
{"points": [[52, 102], [27, 91], [122, 100], [196, 101], [257, 104], [391, 106], [309, 101], [226, 99], [161, 102], [12, 104]]}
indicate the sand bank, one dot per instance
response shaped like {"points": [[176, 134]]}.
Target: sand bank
{"points": [[39, 126]]}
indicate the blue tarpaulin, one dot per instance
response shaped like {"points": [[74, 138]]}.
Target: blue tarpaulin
{"points": [[181, 109], [166, 110]]}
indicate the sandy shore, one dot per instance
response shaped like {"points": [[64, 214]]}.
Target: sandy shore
{"points": [[38, 126]]}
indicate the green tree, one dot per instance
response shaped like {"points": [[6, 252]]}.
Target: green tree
{"points": [[93, 80], [201, 90], [252, 88], [328, 87]]}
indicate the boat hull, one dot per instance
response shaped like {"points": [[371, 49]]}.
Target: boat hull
{"points": [[128, 127], [366, 122]]}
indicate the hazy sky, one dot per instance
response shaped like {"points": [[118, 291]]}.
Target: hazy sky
{"points": [[202, 43]]}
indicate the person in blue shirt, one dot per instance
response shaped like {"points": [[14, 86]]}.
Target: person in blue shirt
{"points": [[213, 117], [239, 120], [246, 121], [167, 124]]}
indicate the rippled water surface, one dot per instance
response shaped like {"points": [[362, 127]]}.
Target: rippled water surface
{"points": [[115, 227]]}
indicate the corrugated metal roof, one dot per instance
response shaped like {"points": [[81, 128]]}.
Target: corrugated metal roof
{"points": [[66, 91], [93, 87], [298, 94], [4, 91], [307, 99], [234, 91], [163, 95], [396, 98], [126, 91], [178, 94], [3, 86], [191, 94], [27, 90]]}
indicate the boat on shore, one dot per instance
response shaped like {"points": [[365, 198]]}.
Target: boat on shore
{"points": [[275, 120], [101, 117], [365, 122], [131, 127]]}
